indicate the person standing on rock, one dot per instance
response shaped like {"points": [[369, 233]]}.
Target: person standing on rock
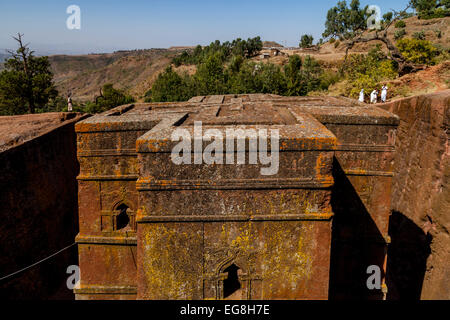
{"points": [[374, 96], [361, 96], [384, 90], [69, 104]]}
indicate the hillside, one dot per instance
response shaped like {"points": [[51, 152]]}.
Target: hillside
{"points": [[331, 53], [133, 71], [432, 79]]}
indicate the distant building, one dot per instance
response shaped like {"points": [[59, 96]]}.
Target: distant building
{"points": [[274, 52]]}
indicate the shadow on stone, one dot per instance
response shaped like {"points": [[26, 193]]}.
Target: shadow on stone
{"points": [[231, 285], [407, 258], [39, 215], [356, 243]]}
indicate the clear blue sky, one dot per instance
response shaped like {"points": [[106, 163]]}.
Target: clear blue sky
{"points": [[129, 24]]}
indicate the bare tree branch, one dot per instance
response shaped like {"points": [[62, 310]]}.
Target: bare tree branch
{"points": [[404, 66]]}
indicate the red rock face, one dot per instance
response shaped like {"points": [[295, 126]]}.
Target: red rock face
{"points": [[38, 199], [154, 229], [420, 199]]}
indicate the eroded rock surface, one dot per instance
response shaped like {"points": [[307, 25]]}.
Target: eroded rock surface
{"points": [[420, 251]]}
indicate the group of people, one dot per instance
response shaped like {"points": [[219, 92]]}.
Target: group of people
{"points": [[374, 95]]}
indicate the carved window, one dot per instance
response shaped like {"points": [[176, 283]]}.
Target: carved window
{"points": [[232, 288], [123, 218]]}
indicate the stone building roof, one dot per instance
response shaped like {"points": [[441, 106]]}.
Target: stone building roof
{"points": [[15, 130]]}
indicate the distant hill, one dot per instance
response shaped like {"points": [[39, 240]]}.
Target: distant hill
{"points": [[133, 71], [269, 44]]}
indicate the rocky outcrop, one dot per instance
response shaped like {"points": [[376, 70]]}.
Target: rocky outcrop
{"points": [[419, 228], [38, 204]]}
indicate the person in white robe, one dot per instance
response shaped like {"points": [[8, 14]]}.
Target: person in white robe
{"points": [[374, 96], [69, 104], [384, 90], [361, 96]]}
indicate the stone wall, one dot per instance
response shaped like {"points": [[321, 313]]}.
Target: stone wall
{"points": [[419, 226], [38, 204]]}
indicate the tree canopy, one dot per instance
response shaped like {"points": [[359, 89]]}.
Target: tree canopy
{"points": [[306, 41], [344, 21], [26, 84], [432, 8], [238, 47], [109, 98], [239, 76]]}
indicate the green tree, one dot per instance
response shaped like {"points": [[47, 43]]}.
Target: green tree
{"points": [[169, 86], [293, 76], [26, 83], [273, 79], [432, 8], [345, 22], [235, 64], [306, 41], [238, 47], [302, 76], [311, 75], [254, 46], [258, 78], [109, 98], [210, 77], [247, 79]]}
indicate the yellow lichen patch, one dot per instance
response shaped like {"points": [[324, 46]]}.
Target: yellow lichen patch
{"points": [[245, 241], [172, 260], [324, 162], [287, 258]]}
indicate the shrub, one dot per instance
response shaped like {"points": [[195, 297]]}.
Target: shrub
{"points": [[332, 40], [443, 54], [388, 16], [417, 51], [328, 78], [419, 35], [365, 82], [337, 43], [400, 24], [148, 96], [438, 33], [398, 34]]}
